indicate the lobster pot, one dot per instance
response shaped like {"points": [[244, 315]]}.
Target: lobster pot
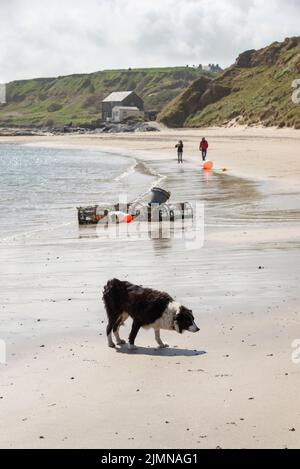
{"points": [[87, 215], [95, 214], [174, 212], [165, 212], [92, 215], [184, 211]]}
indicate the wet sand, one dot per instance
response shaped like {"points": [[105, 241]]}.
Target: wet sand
{"points": [[232, 385]]}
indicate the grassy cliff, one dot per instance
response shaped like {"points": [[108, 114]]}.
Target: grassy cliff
{"points": [[77, 98], [257, 89]]}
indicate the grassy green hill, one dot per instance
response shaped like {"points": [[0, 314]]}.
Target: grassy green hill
{"points": [[257, 89], [77, 98]]}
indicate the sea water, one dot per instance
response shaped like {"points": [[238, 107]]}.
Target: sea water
{"points": [[40, 188]]}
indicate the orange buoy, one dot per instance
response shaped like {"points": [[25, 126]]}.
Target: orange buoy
{"points": [[208, 165], [128, 219]]}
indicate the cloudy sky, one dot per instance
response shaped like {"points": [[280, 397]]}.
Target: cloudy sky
{"points": [[58, 37]]}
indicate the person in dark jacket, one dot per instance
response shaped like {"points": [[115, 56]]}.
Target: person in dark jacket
{"points": [[179, 147], [203, 148]]}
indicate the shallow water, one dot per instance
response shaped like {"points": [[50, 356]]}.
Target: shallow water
{"points": [[41, 187]]}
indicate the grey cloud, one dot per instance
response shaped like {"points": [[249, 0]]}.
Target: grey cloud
{"points": [[71, 36]]}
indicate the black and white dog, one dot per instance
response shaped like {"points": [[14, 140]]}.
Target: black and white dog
{"points": [[148, 308]]}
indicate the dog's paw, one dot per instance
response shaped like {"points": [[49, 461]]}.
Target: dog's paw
{"points": [[131, 347], [121, 342], [164, 346], [112, 345]]}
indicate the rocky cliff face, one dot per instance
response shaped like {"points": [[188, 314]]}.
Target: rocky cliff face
{"points": [[189, 101], [267, 56], [257, 89]]}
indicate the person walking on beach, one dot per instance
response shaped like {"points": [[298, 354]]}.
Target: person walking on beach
{"points": [[203, 148], [179, 147]]}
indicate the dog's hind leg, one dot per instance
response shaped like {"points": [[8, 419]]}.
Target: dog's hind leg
{"points": [[158, 339], [134, 332], [116, 333], [109, 335]]}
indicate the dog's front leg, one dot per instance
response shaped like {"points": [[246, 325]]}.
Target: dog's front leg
{"points": [[159, 341], [134, 332]]}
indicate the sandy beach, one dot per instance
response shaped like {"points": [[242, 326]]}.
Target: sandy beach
{"points": [[234, 385]]}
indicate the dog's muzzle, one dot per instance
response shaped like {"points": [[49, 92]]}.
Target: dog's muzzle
{"points": [[194, 328]]}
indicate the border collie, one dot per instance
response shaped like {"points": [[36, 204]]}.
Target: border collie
{"points": [[148, 308]]}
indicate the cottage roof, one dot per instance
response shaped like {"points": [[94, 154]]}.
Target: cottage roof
{"points": [[117, 97]]}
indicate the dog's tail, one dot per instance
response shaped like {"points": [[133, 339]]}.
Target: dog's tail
{"points": [[113, 290]]}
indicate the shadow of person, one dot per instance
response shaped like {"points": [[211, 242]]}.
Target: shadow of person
{"points": [[164, 352]]}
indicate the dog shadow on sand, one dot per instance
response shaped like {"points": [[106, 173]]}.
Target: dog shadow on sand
{"points": [[161, 352]]}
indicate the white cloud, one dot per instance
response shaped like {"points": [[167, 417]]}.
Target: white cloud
{"points": [[72, 36]]}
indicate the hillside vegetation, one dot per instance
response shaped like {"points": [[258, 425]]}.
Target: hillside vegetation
{"points": [[257, 89], [77, 98]]}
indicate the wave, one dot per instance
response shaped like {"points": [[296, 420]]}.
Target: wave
{"points": [[143, 168], [126, 173]]}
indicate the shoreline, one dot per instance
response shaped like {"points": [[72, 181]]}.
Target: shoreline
{"points": [[261, 148], [214, 388]]}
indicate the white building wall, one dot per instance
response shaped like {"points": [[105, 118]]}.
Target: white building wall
{"points": [[119, 114]]}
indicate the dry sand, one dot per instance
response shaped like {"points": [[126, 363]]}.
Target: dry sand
{"points": [[234, 385]]}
